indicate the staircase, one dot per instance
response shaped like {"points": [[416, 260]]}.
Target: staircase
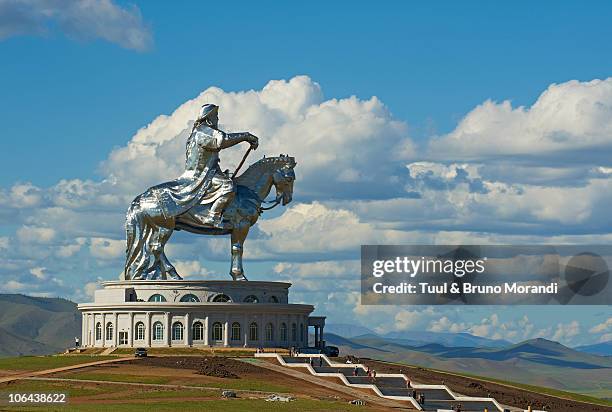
{"points": [[108, 351], [387, 385]]}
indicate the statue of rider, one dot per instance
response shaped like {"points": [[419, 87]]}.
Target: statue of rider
{"points": [[202, 155]]}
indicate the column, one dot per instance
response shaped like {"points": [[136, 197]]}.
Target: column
{"points": [[261, 330], [187, 330], [84, 327], [276, 331], [226, 331], [115, 329], [168, 330], [206, 330], [321, 338], [131, 330], [92, 330], [148, 330], [245, 330], [289, 336], [316, 336], [104, 330]]}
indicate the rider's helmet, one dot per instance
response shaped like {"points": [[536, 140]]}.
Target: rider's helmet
{"points": [[207, 110]]}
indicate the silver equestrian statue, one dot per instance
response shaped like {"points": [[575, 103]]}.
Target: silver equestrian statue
{"points": [[203, 200]]}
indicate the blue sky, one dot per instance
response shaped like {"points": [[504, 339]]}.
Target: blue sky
{"points": [[75, 94]]}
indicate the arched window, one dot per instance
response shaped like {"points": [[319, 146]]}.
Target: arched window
{"points": [[177, 331], [140, 331], [283, 332], [273, 299], [217, 331], [253, 331], [293, 332], [198, 331], [109, 331], [251, 299], [189, 298], [235, 331], [157, 298], [158, 331], [98, 331], [221, 298], [269, 332], [301, 332]]}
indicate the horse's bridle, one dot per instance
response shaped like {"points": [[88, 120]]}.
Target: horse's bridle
{"points": [[276, 203]]}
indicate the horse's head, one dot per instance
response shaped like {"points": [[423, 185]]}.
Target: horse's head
{"points": [[283, 178]]}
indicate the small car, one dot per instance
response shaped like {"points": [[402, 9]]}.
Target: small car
{"points": [[140, 353], [331, 351]]}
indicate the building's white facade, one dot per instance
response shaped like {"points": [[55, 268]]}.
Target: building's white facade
{"points": [[183, 313]]}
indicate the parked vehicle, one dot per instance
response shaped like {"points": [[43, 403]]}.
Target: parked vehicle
{"points": [[140, 353], [331, 351]]}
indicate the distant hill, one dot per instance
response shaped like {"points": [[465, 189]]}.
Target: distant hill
{"points": [[601, 349], [416, 338], [538, 361], [347, 330], [36, 326]]}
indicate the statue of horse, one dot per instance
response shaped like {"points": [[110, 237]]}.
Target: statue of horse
{"points": [[148, 230]]}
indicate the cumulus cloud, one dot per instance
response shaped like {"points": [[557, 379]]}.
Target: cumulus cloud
{"points": [[191, 268], [104, 248], [603, 327], [329, 138], [32, 234], [491, 327], [79, 19], [565, 332], [566, 117], [39, 272]]}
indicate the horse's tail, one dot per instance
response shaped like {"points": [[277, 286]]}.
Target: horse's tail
{"points": [[133, 235]]}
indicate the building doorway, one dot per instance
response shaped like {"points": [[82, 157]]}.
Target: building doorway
{"points": [[123, 338]]}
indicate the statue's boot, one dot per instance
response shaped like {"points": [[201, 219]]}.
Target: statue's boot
{"points": [[215, 216]]}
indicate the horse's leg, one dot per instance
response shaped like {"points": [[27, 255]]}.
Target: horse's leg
{"points": [[168, 269], [239, 234]]}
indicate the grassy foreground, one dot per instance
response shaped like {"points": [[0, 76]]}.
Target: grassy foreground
{"points": [[38, 363], [110, 397], [233, 405]]}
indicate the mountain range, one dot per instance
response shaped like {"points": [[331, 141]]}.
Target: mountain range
{"points": [[36, 325]]}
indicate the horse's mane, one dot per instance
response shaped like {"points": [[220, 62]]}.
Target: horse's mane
{"points": [[254, 171]]}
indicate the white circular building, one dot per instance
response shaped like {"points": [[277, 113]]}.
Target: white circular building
{"points": [[182, 313]]}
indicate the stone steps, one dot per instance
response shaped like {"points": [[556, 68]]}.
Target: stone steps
{"points": [[390, 386]]}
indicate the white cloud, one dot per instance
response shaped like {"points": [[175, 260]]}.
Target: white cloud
{"points": [[80, 19], [90, 288], [568, 116], [315, 228], [4, 242], [565, 332], [24, 195], [327, 137], [13, 286], [320, 269], [32, 234], [491, 327], [191, 268], [66, 251], [39, 272], [104, 248], [605, 326]]}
